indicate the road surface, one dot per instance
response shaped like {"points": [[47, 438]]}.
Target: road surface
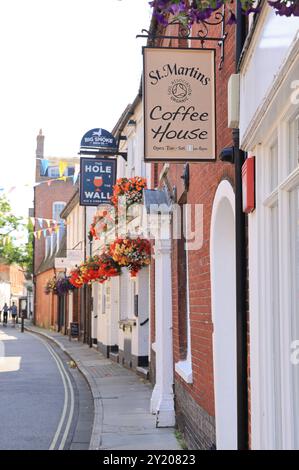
{"points": [[44, 403]]}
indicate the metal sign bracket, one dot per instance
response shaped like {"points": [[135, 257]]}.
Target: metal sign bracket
{"points": [[185, 33]]}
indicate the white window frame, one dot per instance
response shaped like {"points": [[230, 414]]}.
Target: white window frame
{"points": [[263, 402], [184, 367], [53, 168]]}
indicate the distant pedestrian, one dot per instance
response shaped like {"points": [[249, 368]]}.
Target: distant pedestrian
{"points": [[5, 313], [14, 312]]}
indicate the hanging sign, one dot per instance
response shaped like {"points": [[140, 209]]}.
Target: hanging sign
{"points": [[100, 141], [97, 178], [179, 104], [248, 185]]}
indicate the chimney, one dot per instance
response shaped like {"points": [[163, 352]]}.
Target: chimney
{"points": [[39, 154], [40, 145]]}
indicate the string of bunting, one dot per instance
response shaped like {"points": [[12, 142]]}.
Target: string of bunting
{"points": [[46, 231], [48, 222], [5, 239], [74, 177]]}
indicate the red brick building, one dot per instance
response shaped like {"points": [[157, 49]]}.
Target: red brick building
{"points": [[13, 275], [50, 197], [204, 280]]}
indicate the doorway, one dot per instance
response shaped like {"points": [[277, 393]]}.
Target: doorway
{"points": [[223, 290]]}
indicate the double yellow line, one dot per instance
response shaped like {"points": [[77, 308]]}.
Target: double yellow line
{"points": [[68, 396]]}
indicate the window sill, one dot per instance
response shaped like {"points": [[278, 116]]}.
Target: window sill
{"points": [[184, 370]]}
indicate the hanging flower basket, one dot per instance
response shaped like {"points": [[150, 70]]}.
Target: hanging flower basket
{"points": [[188, 13], [91, 270], [98, 268], [51, 286], [102, 222], [63, 286], [60, 286], [131, 253], [131, 188], [109, 267], [76, 278]]}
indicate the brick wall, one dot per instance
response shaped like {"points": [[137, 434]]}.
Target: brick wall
{"points": [[13, 274], [44, 198], [195, 408], [46, 305]]}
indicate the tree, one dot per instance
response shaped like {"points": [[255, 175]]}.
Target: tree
{"points": [[10, 224]]}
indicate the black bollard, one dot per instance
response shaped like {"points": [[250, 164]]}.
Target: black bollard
{"points": [[22, 324]]}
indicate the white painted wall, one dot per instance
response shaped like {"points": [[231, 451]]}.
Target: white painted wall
{"points": [[140, 333], [70, 308], [106, 309], [223, 275], [4, 293], [269, 48], [75, 228], [268, 73], [121, 306], [143, 314]]}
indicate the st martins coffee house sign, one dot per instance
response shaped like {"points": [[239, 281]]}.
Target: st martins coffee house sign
{"points": [[179, 104], [97, 177]]}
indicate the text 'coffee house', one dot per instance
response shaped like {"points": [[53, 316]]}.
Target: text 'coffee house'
{"points": [[179, 104]]}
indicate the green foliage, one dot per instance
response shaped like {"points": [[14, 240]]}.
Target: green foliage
{"points": [[10, 224]]}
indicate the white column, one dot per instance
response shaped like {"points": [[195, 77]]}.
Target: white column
{"points": [[162, 401]]}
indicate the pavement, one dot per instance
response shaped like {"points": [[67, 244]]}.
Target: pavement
{"points": [[122, 420]]}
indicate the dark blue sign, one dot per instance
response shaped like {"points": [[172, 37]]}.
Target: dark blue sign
{"points": [[100, 140], [97, 177]]}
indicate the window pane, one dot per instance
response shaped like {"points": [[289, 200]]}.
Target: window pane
{"points": [[293, 143], [273, 167], [53, 172], [275, 317], [294, 211], [57, 209], [124, 295]]}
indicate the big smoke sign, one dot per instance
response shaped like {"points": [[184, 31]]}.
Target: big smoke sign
{"points": [[97, 177], [99, 141], [179, 104]]}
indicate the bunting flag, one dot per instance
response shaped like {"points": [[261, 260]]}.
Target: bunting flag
{"points": [[62, 167], [40, 221], [45, 232], [76, 174], [39, 234], [47, 221], [5, 240], [35, 234], [44, 166], [11, 189]]}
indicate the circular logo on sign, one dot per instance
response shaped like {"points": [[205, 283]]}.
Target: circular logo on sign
{"points": [[179, 91]]}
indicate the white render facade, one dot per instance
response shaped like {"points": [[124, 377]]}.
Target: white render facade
{"points": [[269, 130], [121, 305]]}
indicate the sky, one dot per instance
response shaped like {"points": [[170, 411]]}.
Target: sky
{"points": [[67, 66]]}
